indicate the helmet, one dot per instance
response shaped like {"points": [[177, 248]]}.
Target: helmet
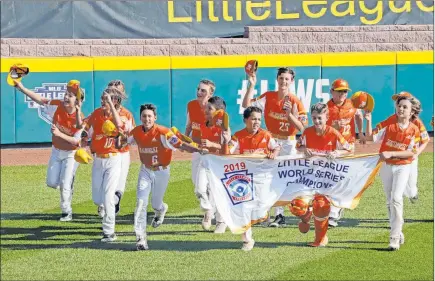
{"points": [[340, 84]]}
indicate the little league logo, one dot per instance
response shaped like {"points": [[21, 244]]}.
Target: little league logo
{"points": [[239, 186]]}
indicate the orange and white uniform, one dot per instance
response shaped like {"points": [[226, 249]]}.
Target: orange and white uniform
{"points": [[106, 168], [62, 166], [261, 142], [396, 171], [278, 125], [155, 151], [331, 140], [196, 118], [276, 119], [342, 118], [128, 120], [411, 189]]}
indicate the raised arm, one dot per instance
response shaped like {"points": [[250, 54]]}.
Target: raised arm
{"points": [[31, 94], [247, 99]]}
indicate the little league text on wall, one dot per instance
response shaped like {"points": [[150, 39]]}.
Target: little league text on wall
{"points": [[238, 10]]}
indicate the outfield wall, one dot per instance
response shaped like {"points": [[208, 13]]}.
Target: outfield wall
{"points": [[170, 82]]}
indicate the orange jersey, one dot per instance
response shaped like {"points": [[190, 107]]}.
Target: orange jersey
{"points": [[196, 117], [213, 134], [128, 120], [100, 143], [261, 142], [342, 118], [395, 138], [331, 140], [424, 136], [66, 123], [275, 117], [155, 146]]}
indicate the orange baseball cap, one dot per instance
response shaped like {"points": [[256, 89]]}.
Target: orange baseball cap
{"points": [[251, 67], [401, 94], [340, 84], [73, 86], [363, 100]]}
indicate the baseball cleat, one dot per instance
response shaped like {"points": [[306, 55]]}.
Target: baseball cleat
{"points": [[278, 222], [159, 217], [109, 238], [117, 206], [322, 243], [332, 222], [247, 246], [220, 227], [413, 199], [141, 244], [66, 217], [101, 211], [394, 244], [206, 221]]}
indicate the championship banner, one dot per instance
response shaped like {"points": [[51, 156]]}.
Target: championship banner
{"points": [[244, 189]]}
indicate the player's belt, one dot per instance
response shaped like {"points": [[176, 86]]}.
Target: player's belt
{"points": [[157, 168], [276, 136], [106, 155]]}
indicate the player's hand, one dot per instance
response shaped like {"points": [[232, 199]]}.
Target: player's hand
{"points": [[78, 105], [106, 98], [308, 152], [386, 155], [271, 155], [206, 143], [18, 85], [252, 80], [203, 151], [287, 106], [226, 137], [55, 130], [362, 138], [331, 155]]}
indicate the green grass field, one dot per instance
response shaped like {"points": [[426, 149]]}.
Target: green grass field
{"points": [[36, 246]]}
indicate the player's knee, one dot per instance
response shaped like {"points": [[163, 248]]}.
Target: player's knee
{"points": [[299, 206], [53, 183]]}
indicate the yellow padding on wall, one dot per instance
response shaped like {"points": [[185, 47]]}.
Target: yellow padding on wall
{"points": [[287, 60], [64, 64], [425, 57], [208, 62], [359, 59], [132, 63]]}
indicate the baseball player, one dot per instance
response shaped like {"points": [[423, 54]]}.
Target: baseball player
{"points": [[65, 138], [284, 116], [251, 140], [128, 119], [155, 144], [318, 140], [211, 139], [399, 145], [411, 190], [106, 169], [343, 116]]}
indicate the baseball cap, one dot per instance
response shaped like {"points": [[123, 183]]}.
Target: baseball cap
{"points": [[401, 94], [363, 100], [16, 73], [73, 86], [340, 84], [251, 67]]}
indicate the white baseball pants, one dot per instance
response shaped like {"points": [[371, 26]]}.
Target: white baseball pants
{"points": [[411, 189], [60, 173], [105, 179], [288, 147], [155, 182], [125, 166], [395, 179], [200, 181]]}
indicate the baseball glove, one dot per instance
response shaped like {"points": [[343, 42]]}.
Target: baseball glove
{"points": [[109, 129], [82, 156]]}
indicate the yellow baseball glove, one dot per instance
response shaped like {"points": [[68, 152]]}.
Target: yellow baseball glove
{"points": [[82, 156], [109, 129]]}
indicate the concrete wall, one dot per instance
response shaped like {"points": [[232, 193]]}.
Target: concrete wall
{"points": [[258, 40]]}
